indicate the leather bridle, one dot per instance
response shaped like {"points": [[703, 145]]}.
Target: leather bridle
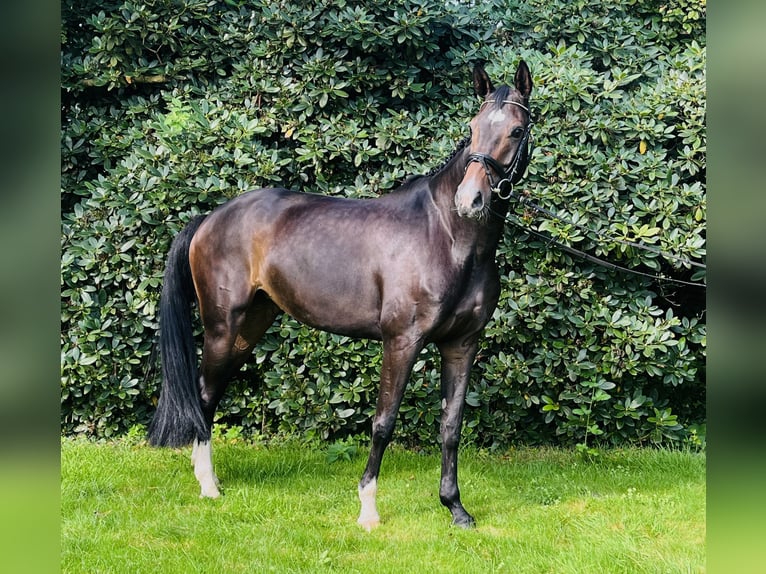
{"points": [[515, 171]]}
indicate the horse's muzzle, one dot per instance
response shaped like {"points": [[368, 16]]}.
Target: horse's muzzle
{"points": [[472, 207], [471, 199]]}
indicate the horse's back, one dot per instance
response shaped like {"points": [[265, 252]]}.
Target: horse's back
{"points": [[326, 261]]}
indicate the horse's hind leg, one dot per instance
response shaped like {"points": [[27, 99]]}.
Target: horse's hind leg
{"points": [[202, 461], [227, 346]]}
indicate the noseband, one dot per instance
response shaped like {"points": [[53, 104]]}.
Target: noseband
{"points": [[515, 171]]}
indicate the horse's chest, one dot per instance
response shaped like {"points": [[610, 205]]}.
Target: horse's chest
{"points": [[471, 305]]}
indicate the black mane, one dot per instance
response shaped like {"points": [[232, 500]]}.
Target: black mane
{"points": [[502, 94], [460, 146]]}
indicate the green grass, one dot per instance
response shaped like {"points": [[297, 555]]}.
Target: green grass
{"points": [[134, 509]]}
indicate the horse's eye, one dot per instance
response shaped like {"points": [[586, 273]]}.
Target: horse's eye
{"points": [[517, 133]]}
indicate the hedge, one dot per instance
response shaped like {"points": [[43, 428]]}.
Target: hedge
{"points": [[171, 108]]}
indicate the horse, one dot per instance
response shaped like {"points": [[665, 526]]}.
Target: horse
{"points": [[409, 268]]}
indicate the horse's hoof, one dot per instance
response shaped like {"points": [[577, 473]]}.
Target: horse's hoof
{"points": [[466, 522], [210, 492], [369, 523]]}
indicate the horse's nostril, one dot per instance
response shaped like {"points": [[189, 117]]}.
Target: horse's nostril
{"points": [[478, 201]]}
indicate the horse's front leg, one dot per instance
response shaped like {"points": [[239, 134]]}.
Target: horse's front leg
{"points": [[457, 358], [398, 357]]}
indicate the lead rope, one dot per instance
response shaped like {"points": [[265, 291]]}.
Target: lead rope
{"points": [[592, 258]]}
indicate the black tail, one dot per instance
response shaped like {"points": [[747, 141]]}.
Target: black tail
{"points": [[179, 418]]}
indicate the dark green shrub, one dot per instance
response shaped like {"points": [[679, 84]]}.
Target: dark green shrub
{"points": [[170, 109]]}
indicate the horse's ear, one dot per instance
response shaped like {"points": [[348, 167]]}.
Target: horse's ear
{"points": [[523, 79], [482, 85]]}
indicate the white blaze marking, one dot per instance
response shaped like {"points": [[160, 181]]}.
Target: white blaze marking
{"points": [[444, 404], [202, 459], [368, 517], [496, 116]]}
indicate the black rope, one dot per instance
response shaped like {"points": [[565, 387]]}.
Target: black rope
{"points": [[592, 258], [653, 249]]}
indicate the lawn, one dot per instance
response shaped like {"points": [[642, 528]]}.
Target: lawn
{"points": [[130, 508]]}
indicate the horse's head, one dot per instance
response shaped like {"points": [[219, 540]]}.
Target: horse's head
{"points": [[498, 153]]}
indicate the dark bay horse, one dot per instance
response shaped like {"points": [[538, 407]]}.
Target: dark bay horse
{"points": [[409, 268]]}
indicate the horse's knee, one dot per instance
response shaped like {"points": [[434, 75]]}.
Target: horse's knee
{"points": [[383, 429], [452, 420], [450, 437]]}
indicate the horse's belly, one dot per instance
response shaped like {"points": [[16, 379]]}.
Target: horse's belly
{"points": [[329, 300]]}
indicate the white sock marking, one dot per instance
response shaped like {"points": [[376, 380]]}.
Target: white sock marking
{"points": [[202, 459], [368, 516]]}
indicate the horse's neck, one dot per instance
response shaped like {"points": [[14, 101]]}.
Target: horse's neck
{"points": [[469, 237]]}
